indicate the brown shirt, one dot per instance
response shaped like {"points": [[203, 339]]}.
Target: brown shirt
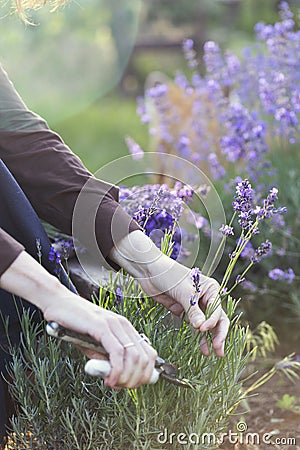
{"points": [[51, 176]]}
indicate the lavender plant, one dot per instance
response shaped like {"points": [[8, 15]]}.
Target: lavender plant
{"points": [[61, 408], [157, 209], [232, 113], [239, 117]]}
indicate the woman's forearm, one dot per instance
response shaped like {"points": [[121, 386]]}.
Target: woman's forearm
{"points": [[140, 257], [131, 358], [26, 278], [136, 253]]}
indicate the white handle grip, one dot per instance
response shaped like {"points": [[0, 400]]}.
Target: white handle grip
{"points": [[102, 368]]}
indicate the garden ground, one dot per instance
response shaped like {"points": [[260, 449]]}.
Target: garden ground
{"points": [[265, 417]]}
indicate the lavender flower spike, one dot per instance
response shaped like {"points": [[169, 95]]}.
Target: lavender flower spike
{"points": [[134, 148], [264, 249], [243, 202], [226, 230], [195, 277], [192, 300]]}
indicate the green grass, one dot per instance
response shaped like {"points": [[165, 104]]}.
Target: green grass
{"points": [[97, 134]]}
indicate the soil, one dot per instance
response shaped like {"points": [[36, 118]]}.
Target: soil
{"points": [[267, 425]]}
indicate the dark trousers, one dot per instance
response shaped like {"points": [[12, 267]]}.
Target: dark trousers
{"points": [[18, 218]]}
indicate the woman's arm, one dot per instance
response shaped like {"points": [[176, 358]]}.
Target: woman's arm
{"points": [[131, 366]]}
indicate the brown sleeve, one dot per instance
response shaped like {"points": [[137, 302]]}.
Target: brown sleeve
{"points": [[50, 174], [9, 250]]}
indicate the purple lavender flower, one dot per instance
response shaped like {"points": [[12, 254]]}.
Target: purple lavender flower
{"points": [[39, 248], [193, 301], [233, 66], [51, 256], [57, 258], [277, 274], [54, 256], [119, 296], [182, 82], [134, 148], [212, 57], [268, 209], [142, 110], [237, 96], [200, 221], [243, 203], [278, 86], [183, 146], [188, 45], [196, 278], [65, 247], [224, 71], [216, 168], [244, 196], [203, 190], [250, 286], [157, 209], [189, 53], [244, 138], [239, 279], [263, 250], [183, 191], [248, 251], [157, 91], [226, 230]]}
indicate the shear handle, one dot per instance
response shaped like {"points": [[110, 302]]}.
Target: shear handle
{"points": [[83, 340]]}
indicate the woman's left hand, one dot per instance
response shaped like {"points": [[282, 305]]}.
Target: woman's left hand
{"points": [[170, 284], [177, 300]]}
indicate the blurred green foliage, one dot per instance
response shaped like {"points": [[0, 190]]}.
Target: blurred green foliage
{"points": [[69, 58], [77, 55], [97, 134]]}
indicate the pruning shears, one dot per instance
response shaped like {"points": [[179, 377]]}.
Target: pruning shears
{"points": [[101, 368]]}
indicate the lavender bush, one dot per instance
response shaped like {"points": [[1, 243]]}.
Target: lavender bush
{"points": [[238, 117], [230, 114], [157, 209], [62, 408]]}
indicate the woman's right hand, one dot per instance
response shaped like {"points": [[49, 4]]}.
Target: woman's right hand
{"points": [[132, 359]]}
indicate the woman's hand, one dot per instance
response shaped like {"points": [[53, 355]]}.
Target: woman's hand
{"points": [[132, 359], [177, 300], [169, 283]]}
